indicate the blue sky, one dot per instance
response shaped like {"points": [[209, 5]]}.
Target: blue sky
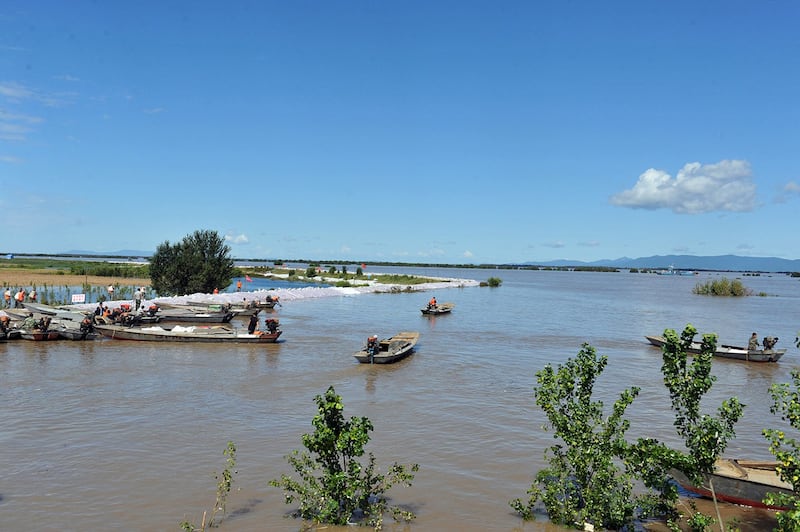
{"points": [[415, 131]]}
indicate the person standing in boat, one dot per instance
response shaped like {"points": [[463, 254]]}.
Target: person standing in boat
{"points": [[752, 345], [432, 303], [253, 325]]}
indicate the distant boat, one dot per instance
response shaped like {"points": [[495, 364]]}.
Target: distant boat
{"points": [[388, 350], [744, 482], [728, 351], [672, 271]]}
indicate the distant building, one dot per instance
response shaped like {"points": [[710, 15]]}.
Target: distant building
{"points": [[10, 256]]}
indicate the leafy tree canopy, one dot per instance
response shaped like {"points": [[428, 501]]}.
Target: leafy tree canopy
{"points": [[201, 262]]}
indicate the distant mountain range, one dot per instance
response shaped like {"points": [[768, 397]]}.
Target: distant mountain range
{"points": [[121, 253], [681, 262], [690, 262]]}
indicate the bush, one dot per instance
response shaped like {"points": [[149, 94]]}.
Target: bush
{"points": [[494, 281], [721, 287]]}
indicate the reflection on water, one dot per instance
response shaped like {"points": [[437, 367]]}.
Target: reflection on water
{"points": [[132, 433]]}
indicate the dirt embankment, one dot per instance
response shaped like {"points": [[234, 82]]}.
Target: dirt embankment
{"points": [[22, 278]]}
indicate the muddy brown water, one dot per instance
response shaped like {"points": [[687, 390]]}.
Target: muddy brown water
{"points": [[126, 435]]}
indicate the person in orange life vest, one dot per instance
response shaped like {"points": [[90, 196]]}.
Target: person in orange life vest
{"points": [[19, 298]]}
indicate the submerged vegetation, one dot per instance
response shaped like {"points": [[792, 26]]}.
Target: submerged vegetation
{"points": [[722, 287], [224, 485]]}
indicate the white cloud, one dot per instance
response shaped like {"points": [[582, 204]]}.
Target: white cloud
{"points": [[555, 244], [237, 239], [10, 159], [793, 187], [14, 91], [698, 188], [16, 126], [467, 254]]}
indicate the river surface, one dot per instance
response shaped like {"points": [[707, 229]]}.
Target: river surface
{"points": [[124, 435]]}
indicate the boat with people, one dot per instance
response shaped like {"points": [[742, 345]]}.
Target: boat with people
{"points": [[69, 324], [23, 324], [767, 354], [436, 310], [191, 333], [736, 481], [388, 350]]}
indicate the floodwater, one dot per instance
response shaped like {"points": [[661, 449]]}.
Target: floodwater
{"points": [[124, 435]]}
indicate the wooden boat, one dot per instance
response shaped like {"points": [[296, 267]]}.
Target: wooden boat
{"points": [[194, 315], [442, 308], [69, 331], [193, 333], [728, 351], [745, 482], [388, 350], [38, 335], [55, 312]]}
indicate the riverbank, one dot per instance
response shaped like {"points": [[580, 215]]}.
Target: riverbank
{"points": [[25, 277]]}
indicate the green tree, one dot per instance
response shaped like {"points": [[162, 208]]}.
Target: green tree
{"points": [[199, 263], [334, 486], [593, 469], [705, 436], [786, 403], [583, 483]]}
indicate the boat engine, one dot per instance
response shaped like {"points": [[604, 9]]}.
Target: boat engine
{"points": [[769, 342]]}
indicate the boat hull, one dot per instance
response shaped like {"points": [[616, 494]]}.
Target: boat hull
{"points": [[39, 336], [186, 334], [728, 351], [738, 482]]}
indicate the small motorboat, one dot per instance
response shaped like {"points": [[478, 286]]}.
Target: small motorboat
{"points": [[732, 351], [388, 350], [435, 310]]}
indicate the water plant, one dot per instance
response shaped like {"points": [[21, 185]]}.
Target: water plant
{"points": [[224, 485]]}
